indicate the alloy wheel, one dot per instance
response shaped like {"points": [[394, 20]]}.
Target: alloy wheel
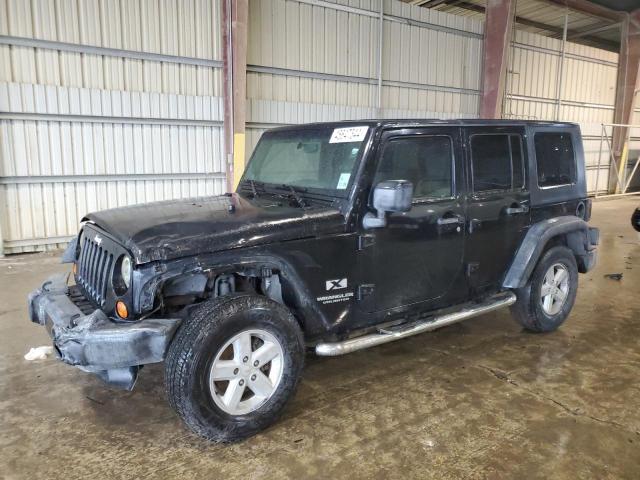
{"points": [[246, 371], [555, 288]]}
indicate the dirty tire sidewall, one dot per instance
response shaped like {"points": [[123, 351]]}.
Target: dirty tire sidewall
{"points": [[528, 309], [191, 353]]}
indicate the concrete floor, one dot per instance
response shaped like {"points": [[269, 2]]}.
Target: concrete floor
{"points": [[481, 399]]}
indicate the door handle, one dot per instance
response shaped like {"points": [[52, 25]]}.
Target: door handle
{"points": [[516, 208], [474, 224], [456, 219]]}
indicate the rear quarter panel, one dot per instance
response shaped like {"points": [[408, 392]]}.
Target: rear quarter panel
{"points": [[557, 194]]}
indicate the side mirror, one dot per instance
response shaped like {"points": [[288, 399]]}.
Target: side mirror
{"points": [[389, 196]]}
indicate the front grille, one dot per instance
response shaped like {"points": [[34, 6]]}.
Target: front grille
{"points": [[80, 301], [94, 268]]}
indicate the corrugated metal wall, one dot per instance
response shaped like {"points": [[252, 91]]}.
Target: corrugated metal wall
{"points": [[111, 102], [587, 93], [314, 60], [104, 103]]}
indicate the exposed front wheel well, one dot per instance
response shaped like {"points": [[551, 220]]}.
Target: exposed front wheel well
{"points": [[189, 289], [209, 284]]}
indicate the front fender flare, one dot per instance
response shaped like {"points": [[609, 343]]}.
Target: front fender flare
{"points": [[581, 239]]}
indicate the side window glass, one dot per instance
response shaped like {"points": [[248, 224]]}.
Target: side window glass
{"points": [[555, 159], [425, 161], [491, 162], [497, 162]]}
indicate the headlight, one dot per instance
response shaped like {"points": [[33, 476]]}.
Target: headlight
{"points": [[125, 271]]}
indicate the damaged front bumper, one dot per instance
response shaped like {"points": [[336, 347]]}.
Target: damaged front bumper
{"points": [[95, 343]]}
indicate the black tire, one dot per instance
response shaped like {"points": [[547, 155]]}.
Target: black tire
{"points": [[528, 309], [193, 350]]}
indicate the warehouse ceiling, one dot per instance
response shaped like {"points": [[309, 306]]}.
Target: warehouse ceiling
{"points": [[546, 17], [622, 5]]}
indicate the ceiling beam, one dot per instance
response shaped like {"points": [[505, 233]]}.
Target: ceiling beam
{"points": [[557, 31], [428, 3], [585, 6], [594, 29]]}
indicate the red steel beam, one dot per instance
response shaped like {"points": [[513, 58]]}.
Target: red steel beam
{"points": [[235, 16], [497, 36], [627, 85], [227, 93]]}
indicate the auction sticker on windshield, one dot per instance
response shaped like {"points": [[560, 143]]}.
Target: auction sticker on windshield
{"points": [[348, 134], [343, 181]]}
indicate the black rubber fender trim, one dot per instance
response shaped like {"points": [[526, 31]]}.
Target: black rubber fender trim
{"points": [[539, 234]]}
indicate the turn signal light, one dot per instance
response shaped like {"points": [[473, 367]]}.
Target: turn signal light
{"points": [[75, 268], [121, 309]]}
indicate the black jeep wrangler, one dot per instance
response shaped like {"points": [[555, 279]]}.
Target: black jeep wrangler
{"points": [[340, 236]]}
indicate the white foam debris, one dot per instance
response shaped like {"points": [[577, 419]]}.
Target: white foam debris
{"points": [[39, 353]]}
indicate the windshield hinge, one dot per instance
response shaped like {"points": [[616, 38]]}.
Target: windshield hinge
{"points": [[365, 241], [365, 290]]}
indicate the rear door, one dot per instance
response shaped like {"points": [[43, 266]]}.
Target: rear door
{"points": [[498, 208]]}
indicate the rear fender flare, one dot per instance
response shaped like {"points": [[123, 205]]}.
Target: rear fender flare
{"points": [[578, 238]]}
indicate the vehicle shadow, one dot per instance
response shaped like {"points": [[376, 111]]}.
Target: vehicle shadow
{"points": [[446, 361]]}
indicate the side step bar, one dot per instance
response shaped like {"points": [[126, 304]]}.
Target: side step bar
{"points": [[385, 336]]}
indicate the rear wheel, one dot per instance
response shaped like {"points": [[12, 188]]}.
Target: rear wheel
{"points": [[233, 365], [547, 299]]}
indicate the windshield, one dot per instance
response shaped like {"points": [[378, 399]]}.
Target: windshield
{"points": [[320, 158]]}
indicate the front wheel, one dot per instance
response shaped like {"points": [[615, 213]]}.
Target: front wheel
{"points": [[545, 302], [233, 365]]}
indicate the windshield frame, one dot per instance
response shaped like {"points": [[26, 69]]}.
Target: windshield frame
{"points": [[334, 193]]}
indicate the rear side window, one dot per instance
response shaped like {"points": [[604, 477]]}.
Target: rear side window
{"points": [[555, 159], [496, 161], [426, 161]]}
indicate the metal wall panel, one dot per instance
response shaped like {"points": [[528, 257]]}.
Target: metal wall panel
{"points": [[398, 113], [104, 103], [180, 28], [287, 34], [312, 52], [109, 102], [69, 151], [315, 60]]}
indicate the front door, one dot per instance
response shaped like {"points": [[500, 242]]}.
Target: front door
{"points": [[418, 256], [497, 204]]}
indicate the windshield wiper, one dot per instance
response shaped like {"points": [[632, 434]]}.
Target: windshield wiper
{"points": [[299, 200], [295, 195], [252, 184], [253, 188]]}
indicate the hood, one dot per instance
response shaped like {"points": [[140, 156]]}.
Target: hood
{"points": [[178, 228]]}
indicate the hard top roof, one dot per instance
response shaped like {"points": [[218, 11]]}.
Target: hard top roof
{"points": [[415, 122]]}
